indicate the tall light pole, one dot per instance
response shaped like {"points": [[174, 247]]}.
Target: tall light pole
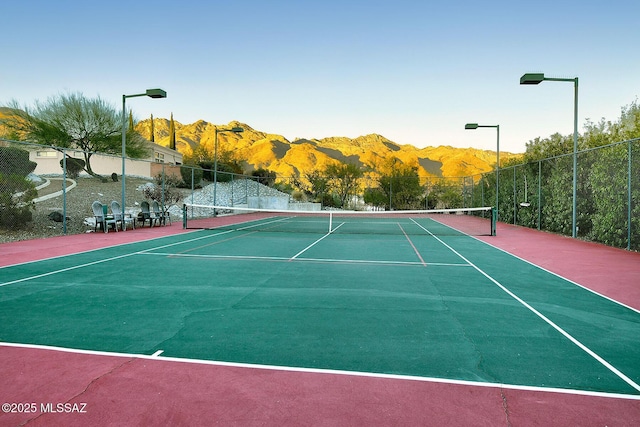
{"points": [[536, 78], [236, 129], [151, 93], [473, 126]]}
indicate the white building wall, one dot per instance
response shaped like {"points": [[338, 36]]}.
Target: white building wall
{"points": [[48, 161]]}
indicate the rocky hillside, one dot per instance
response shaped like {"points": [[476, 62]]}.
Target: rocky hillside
{"points": [[274, 152], [291, 158]]}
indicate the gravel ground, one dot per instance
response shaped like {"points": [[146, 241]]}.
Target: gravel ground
{"points": [[88, 190], [78, 201]]}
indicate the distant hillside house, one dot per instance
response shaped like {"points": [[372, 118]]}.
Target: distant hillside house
{"points": [[48, 161], [164, 154]]}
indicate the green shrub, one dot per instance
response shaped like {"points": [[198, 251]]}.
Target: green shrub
{"points": [[16, 196], [169, 180], [264, 176], [74, 166], [330, 200], [225, 172], [298, 196], [14, 161], [189, 172], [16, 191], [207, 170]]}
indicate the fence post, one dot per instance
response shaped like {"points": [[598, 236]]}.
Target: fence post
{"points": [[472, 191], [192, 185], [629, 197], [64, 191], [426, 194], [498, 171], [515, 197], [163, 189], [539, 194]]}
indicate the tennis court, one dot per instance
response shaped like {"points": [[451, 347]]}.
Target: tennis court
{"points": [[412, 299]]}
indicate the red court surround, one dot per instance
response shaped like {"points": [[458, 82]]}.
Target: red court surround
{"points": [[113, 390]]}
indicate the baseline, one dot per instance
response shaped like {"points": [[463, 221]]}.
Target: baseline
{"points": [[324, 260], [157, 355]]}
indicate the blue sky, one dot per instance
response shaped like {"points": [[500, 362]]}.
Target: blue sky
{"points": [[412, 71]]}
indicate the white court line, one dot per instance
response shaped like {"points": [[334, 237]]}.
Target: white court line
{"points": [[259, 224], [75, 267], [325, 260], [560, 276], [545, 318], [149, 252], [314, 243], [328, 371], [95, 249], [412, 245], [62, 270]]}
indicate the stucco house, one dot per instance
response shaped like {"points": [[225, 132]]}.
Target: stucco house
{"points": [[48, 161]]}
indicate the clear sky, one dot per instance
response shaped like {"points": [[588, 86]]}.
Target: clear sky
{"points": [[414, 71]]}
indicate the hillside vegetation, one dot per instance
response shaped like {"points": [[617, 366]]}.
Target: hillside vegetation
{"points": [[260, 150]]}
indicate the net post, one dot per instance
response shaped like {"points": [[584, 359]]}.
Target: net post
{"points": [[184, 216], [494, 215]]}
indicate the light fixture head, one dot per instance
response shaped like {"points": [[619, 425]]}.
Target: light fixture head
{"points": [[471, 126], [156, 93], [531, 78]]}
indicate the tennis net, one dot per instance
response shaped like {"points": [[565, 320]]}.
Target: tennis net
{"points": [[465, 221]]}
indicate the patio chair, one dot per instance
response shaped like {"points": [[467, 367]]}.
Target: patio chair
{"points": [[160, 215], [120, 216], [145, 214], [101, 217]]}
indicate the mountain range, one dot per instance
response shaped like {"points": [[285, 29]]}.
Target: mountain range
{"points": [[256, 149], [287, 158]]}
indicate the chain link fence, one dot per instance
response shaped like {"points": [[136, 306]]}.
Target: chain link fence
{"points": [[46, 191], [540, 194]]}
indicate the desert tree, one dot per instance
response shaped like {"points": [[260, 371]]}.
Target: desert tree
{"points": [[152, 132], [318, 185], [344, 180], [399, 184], [72, 121], [172, 133]]}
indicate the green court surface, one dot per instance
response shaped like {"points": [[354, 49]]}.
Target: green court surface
{"points": [[413, 304]]}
